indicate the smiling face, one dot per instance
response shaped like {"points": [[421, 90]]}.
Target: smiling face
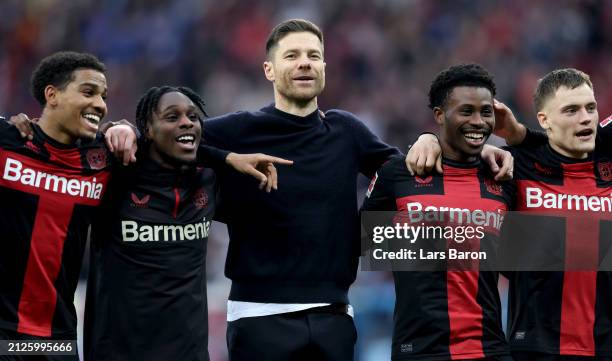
{"points": [[466, 122], [296, 69], [174, 131], [570, 119], [79, 107]]}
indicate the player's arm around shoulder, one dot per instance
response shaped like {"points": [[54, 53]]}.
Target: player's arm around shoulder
{"points": [[19, 123], [220, 131], [372, 152]]}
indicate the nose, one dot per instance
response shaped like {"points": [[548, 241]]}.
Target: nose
{"points": [[585, 117], [185, 122], [477, 120], [305, 62], [100, 105]]}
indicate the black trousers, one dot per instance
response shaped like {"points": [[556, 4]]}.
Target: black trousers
{"points": [[538, 356], [8, 335], [322, 334]]}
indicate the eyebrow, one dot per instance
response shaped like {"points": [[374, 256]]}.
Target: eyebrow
{"points": [[299, 49], [93, 85], [173, 106], [574, 105]]}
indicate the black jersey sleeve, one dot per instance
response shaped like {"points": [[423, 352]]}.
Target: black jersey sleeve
{"points": [[604, 133], [3, 122], [6, 127], [534, 138], [379, 196]]}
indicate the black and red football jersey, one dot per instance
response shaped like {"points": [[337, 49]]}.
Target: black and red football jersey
{"points": [[452, 314], [49, 192], [146, 292], [565, 313]]}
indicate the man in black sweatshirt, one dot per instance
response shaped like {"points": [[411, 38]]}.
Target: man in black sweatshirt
{"points": [[293, 254]]}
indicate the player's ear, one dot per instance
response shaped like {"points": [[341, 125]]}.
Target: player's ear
{"points": [[51, 95], [268, 70], [543, 120], [438, 115], [148, 132]]}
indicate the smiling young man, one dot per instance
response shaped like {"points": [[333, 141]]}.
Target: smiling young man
{"points": [[50, 187], [562, 315], [453, 314], [149, 243]]}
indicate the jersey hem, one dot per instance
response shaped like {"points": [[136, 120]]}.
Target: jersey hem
{"points": [[445, 357], [557, 352]]}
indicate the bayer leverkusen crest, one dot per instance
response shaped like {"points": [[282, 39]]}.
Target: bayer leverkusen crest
{"points": [[96, 158], [605, 170], [493, 187], [200, 198]]}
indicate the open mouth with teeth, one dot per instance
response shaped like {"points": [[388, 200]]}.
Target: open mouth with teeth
{"points": [[93, 119], [186, 141], [475, 138]]}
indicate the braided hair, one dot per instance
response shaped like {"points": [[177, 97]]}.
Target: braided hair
{"points": [[150, 100]]}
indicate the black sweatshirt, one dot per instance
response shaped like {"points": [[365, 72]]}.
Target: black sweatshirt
{"points": [[299, 244]]}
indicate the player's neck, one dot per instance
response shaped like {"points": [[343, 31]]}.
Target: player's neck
{"points": [[52, 128], [300, 109], [566, 153], [455, 155]]}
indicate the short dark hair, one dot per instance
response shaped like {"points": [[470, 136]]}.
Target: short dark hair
{"points": [[547, 86], [472, 75], [58, 70], [150, 100], [291, 26]]}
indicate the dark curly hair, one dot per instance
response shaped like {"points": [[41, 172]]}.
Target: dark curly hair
{"points": [[547, 86], [58, 70], [472, 75], [150, 100]]}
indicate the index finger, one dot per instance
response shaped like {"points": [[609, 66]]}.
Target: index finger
{"points": [[271, 159]]}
